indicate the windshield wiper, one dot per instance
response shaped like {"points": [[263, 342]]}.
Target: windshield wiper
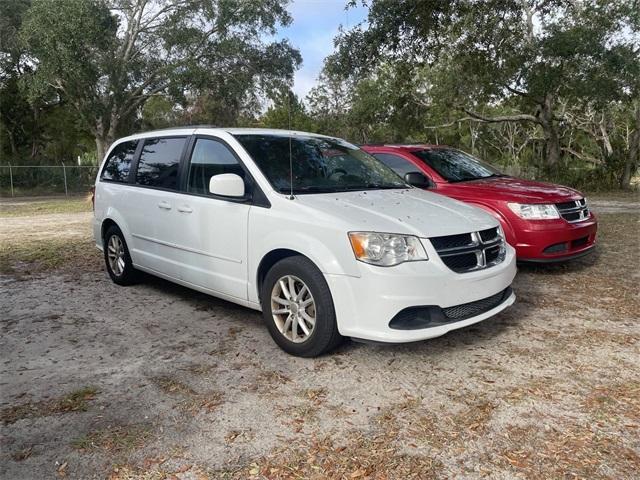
{"points": [[345, 188], [313, 189], [384, 186]]}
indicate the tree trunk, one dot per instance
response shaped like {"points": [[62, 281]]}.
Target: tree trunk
{"points": [[103, 138], [12, 143], [631, 165], [100, 149], [552, 140]]}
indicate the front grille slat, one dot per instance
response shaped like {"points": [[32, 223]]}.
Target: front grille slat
{"points": [[575, 211], [452, 241], [489, 235], [471, 251]]}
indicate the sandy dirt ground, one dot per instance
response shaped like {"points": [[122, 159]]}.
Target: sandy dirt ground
{"points": [[156, 381]]}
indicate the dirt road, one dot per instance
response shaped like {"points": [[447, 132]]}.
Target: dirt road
{"points": [[100, 381]]}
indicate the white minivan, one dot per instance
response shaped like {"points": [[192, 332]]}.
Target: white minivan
{"points": [[324, 239]]}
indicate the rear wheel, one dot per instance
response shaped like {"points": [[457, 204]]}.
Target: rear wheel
{"points": [[117, 258], [298, 308]]}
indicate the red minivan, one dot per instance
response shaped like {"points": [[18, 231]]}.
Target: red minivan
{"points": [[544, 222]]}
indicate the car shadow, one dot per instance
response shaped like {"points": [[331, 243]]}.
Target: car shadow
{"points": [[588, 261]]}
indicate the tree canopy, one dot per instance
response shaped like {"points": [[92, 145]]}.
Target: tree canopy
{"points": [[107, 58], [551, 68], [546, 88]]}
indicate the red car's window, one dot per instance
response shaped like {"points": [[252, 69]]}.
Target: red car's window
{"points": [[396, 163], [456, 166]]}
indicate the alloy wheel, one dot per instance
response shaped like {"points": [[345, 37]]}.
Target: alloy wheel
{"points": [[115, 255], [293, 308]]}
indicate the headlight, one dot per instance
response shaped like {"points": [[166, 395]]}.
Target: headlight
{"points": [[386, 249], [535, 211]]}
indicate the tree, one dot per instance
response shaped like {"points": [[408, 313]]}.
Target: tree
{"points": [[288, 112], [526, 53], [109, 57]]}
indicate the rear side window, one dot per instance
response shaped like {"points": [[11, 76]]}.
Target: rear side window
{"points": [[210, 158], [117, 166], [159, 162], [396, 163]]}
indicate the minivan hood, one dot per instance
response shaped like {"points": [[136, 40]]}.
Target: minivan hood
{"points": [[513, 189], [409, 211]]}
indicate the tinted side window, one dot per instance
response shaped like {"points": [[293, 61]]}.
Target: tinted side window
{"points": [[210, 158], [159, 162], [396, 163], [116, 168]]}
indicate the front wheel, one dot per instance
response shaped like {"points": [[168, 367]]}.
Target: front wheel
{"points": [[298, 308]]}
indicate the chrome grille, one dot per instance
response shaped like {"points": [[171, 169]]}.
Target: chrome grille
{"points": [[467, 252], [574, 211]]}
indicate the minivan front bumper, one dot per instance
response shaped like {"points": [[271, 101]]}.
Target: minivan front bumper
{"points": [[368, 307]]}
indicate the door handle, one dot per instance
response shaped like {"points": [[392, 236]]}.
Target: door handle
{"points": [[185, 209], [164, 206]]}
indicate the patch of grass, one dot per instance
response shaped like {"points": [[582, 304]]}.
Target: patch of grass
{"points": [[115, 439], [616, 195], [315, 395], [76, 401], [609, 274], [159, 472], [615, 403], [39, 256], [243, 435], [203, 401], [267, 382], [22, 454], [171, 385], [575, 451], [17, 208], [193, 402], [356, 457], [540, 388], [273, 377]]}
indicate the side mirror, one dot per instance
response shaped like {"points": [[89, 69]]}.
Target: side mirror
{"points": [[417, 179], [227, 185]]}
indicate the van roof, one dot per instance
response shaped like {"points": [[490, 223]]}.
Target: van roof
{"points": [[191, 129]]}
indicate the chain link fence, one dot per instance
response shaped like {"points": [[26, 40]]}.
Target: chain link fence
{"points": [[33, 180]]}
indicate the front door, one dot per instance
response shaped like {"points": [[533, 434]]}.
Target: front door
{"points": [[212, 229]]}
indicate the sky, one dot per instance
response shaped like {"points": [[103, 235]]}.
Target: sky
{"points": [[315, 24]]}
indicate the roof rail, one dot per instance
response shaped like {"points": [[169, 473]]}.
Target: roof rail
{"points": [[180, 127]]}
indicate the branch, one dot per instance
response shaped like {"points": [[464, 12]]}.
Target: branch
{"points": [[451, 124], [139, 100], [582, 156], [520, 117], [516, 91]]}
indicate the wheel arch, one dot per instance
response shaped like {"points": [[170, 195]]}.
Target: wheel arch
{"points": [[270, 259], [106, 224]]}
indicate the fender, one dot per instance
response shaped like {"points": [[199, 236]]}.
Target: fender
{"points": [[330, 259]]}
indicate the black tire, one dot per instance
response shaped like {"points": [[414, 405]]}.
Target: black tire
{"points": [[324, 336], [129, 275]]}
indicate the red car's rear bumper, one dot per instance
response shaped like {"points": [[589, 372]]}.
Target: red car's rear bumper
{"points": [[555, 241]]}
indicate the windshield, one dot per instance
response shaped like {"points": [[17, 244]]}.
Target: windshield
{"points": [[320, 165], [456, 166]]}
